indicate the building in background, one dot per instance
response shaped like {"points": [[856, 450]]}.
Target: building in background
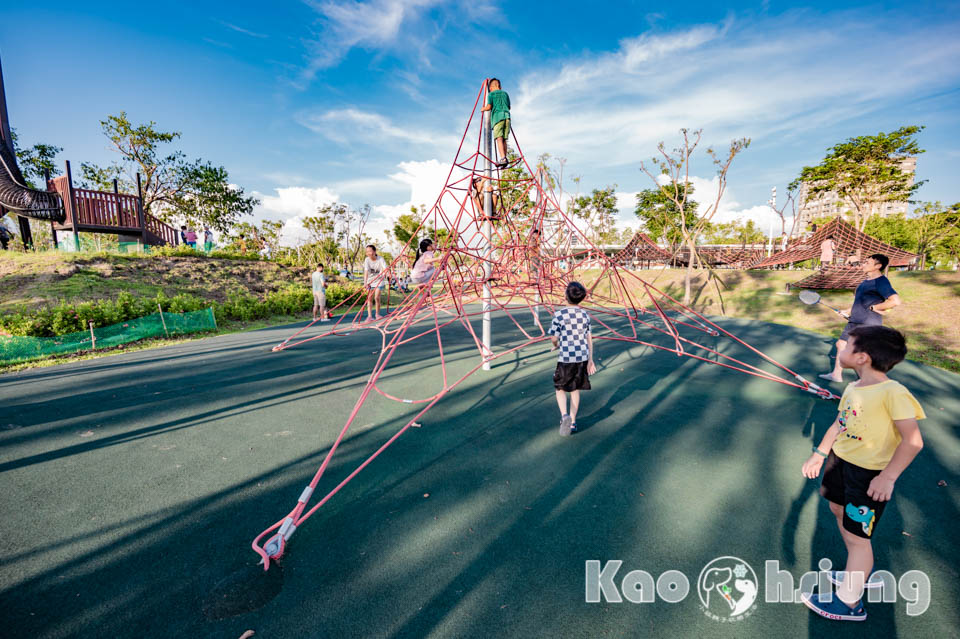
{"points": [[830, 204]]}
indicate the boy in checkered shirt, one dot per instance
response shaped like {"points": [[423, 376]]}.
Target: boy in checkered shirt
{"points": [[570, 332]]}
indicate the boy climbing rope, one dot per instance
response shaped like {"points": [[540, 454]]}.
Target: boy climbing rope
{"points": [[872, 441], [498, 103], [570, 332]]}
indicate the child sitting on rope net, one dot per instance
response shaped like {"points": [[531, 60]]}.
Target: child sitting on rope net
{"points": [[423, 266]]}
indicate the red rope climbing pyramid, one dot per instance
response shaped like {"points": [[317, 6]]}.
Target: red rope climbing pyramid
{"points": [[509, 249]]}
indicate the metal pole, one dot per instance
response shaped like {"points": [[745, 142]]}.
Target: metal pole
{"points": [[487, 249]]}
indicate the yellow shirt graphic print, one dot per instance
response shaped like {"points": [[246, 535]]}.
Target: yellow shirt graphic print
{"points": [[868, 436]]}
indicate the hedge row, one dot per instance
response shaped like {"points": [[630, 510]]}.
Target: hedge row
{"points": [[66, 318]]}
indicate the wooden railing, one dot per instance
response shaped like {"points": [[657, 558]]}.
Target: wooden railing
{"points": [[164, 231], [108, 212], [97, 208]]}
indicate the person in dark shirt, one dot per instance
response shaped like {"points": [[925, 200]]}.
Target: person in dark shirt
{"points": [[874, 296]]}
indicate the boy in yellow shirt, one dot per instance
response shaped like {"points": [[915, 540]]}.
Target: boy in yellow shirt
{"points": [[872, 441]]}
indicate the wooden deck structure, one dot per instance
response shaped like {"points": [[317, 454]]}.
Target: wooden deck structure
{"points": [[105, 212]]}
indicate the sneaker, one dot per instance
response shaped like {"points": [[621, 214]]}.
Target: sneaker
{"points": [[325, 319], [836, 609], [379, 317], [836, 578], [502, 163], [565, 425], [573, 427]]}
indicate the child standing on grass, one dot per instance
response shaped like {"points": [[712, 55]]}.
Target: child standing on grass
{"points": [[319, 282], [498, 103], [570, 332], [374, 273], [872, 441]]}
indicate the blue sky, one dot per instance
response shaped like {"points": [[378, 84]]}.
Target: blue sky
{"points": [[306, 102]]}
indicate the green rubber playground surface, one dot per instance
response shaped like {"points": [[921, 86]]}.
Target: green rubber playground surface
{"points": [[133, 485]]}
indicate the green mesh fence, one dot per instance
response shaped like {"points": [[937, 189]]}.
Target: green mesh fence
{"points": [[15, 349]]}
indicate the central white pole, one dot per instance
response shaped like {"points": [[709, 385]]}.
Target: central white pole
{"points": [[487, 249]]}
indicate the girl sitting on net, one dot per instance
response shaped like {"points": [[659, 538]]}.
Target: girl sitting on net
{"points": [[423, 267]]}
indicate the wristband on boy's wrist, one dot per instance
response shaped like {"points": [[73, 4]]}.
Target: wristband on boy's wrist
{"points": [[819, 452]]}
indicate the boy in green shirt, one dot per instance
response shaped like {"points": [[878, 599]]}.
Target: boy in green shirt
{"points": [[872, 441], [499, 103]]}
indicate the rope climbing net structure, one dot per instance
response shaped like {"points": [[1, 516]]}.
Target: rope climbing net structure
{"points": [[505, 246]]}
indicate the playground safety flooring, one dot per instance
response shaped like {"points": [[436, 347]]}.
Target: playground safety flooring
{"points": [[131, 486]]}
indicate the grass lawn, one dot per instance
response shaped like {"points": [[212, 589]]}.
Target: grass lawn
{"points": [[928, 315]]}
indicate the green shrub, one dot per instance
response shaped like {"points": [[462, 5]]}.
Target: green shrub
{"points": [[49, 321]]}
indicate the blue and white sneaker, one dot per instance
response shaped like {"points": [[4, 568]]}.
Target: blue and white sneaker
{"points": [[836, 609], [565, 422], [836, 578]]}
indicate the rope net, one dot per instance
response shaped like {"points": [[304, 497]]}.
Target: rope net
{"points": [[520, 273]]}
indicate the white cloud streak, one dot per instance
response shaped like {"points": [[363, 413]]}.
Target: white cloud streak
{"points": [[778, 78]]}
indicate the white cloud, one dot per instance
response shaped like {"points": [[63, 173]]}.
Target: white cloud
{"points": [[347, 24], [252, 34], [350, 125], [766, 79], [290, 205]]}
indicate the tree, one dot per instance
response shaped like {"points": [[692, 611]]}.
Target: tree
{"points": [[324, 232], [865, 172], [660, 216], [405, 228], [736, 232], [36, 161], [893, 230], [353, 222], [173, 188], [271, 232], [675, 165], [934, 228], [599, 211], [207, 198]]}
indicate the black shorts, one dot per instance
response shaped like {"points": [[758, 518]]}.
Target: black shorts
{"points": [[571, 376], [846, 484]]}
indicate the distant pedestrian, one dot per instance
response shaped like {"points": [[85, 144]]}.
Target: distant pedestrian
{"points": [[207, 239], [190, 237], [319, 283], [183, 234]]}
